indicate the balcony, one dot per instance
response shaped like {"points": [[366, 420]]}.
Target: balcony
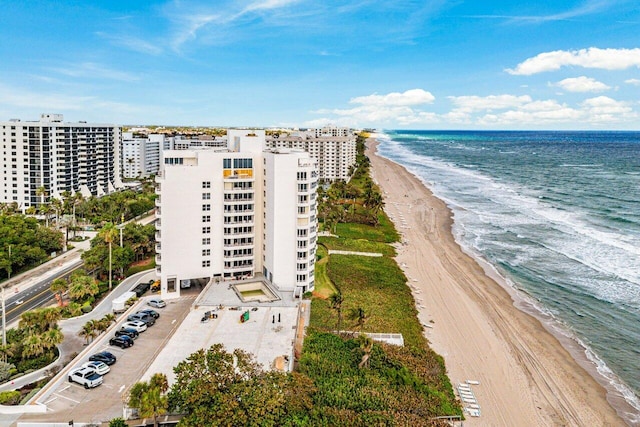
{"points": [[158, 248]]}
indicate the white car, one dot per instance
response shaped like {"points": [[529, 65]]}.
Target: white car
{"points": [[98, 367], [85, 377], [157, 303], [135, 324]]}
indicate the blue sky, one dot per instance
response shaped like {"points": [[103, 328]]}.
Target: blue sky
{"points": [[429, 64]]}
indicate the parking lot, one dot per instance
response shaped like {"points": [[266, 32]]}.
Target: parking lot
{"points": [[68, 401]]}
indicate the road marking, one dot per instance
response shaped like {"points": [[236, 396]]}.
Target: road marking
{"points": [[50, 400], [173, 321], [121, 389], [68, 398]]}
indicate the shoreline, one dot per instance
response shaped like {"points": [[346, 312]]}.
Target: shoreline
{"points": [[478, 325]]}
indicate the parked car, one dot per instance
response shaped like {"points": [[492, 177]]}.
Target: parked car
{"points": [[85, 377], [103, 356], [99, 368], [150, 312], [121, 341], [157, 303], [129, 332], [148, 320], [136, 325]]}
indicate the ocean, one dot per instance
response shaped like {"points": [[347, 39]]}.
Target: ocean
{"points": [[557, 215]]}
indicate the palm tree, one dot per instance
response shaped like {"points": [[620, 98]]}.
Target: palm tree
{"points": [[7, 351], [87, 332], [57, 206], [150, 397], [83, 286], [109, 318], [109, 233], [359, 316], [52, 338], [50, 317], [336, 299], [366, 345], [59, 286], [33, 345]]}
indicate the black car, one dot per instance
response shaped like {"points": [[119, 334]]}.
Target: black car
{"points": [[127, 332], [143, 317], [103, 356], [150, 312], [122, 341]]}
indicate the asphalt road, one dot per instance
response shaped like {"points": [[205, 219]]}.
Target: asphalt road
{"points": [[35, 296]]}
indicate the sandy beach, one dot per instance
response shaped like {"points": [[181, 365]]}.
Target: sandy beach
{"points": [[526, 376]]}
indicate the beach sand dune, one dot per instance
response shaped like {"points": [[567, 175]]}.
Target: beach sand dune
{"points": [[526, 377]]}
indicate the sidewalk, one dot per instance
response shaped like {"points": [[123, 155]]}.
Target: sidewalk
{"points": [[30, 277]]}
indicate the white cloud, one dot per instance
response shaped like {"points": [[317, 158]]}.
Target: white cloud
{"points": [[593, 57], [133, 43], [582, 84], [635, 82], [92, 70], [603, 109], [41, 101], [409, 97], [268, 4], [492, 111], [392, 108], [491, 102]]}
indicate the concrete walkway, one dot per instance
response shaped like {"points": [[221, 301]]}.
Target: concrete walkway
{"points": [[372, 254]]}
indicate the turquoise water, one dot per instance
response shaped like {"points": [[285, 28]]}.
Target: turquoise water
{"points": [[557, 214]]}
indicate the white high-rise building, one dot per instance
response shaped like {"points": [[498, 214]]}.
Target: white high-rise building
{"points": [[234, 213], [58, 156], [336, 154], [141, 155]]}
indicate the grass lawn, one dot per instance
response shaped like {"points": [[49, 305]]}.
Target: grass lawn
{"points": [[383, 232], [357, 245], [323, 285]]}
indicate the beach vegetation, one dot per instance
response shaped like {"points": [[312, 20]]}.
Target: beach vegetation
{"points": [[360, 381], [323, 285]]}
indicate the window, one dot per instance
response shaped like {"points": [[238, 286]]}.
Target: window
{"points": [[206, 230], [226, 163], [206, 218], [173, 161], [302, 175], [206, 241], [206, 196], [206, 184], [243, 163], [206, 207], [206, 252], [301, 278], [206, 263]]}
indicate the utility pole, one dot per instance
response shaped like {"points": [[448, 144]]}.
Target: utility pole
{"points": [[121, 227]]}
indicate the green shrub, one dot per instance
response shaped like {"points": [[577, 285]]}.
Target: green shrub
{"points": [[9, 397], [117, 422], [29, 396], [6, 370], [35, 363]]}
